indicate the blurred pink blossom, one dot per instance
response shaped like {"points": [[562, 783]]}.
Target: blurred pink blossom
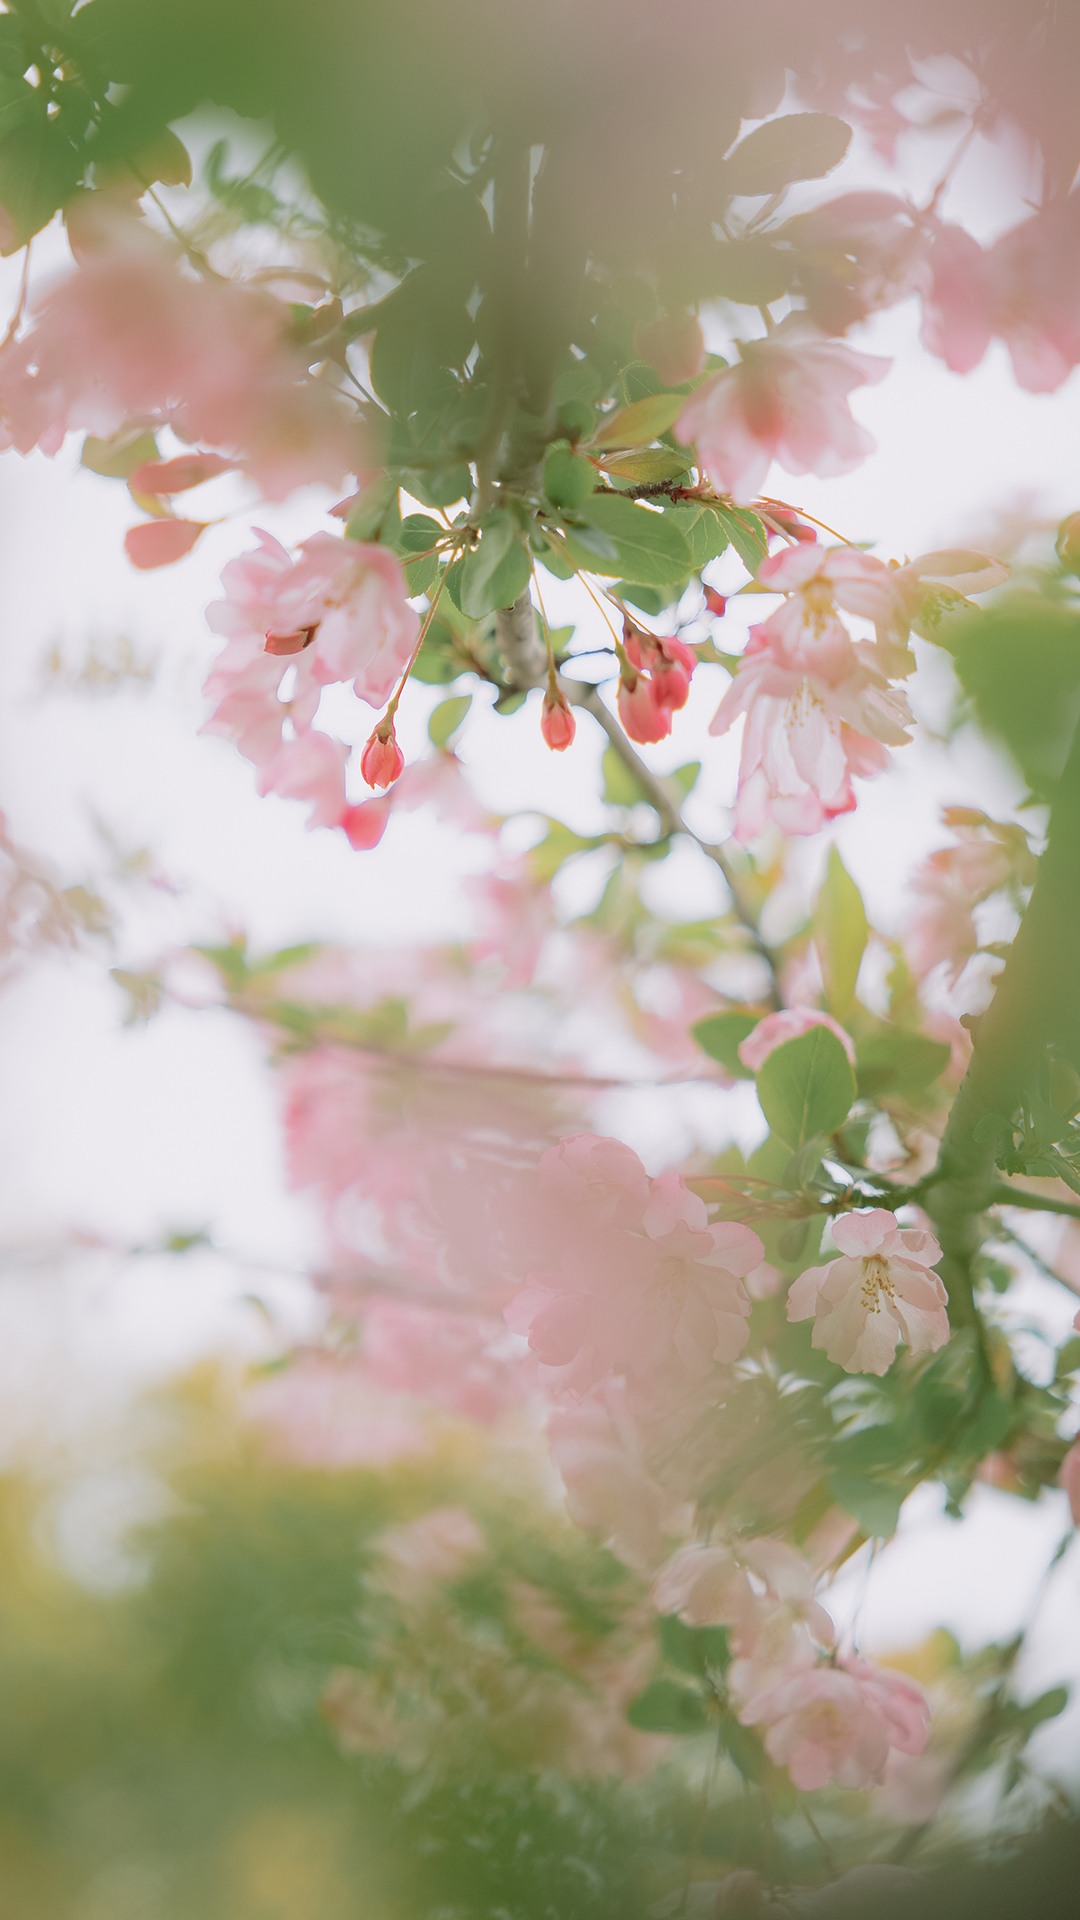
{"points": [[839, 1722], [789, 1024], [786, 401]]}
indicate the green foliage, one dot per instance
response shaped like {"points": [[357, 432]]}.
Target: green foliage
{"points": [[620, 787], [746, 533], [806, 1087], [798, 146], [1020, 664], [447, 717], [498, 569], [840, 934], [644, 545], [892, 1060], [720, 1036], [666, 1707], [641, 421], [568, 477]]}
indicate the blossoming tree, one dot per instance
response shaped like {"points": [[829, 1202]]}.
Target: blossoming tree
{"points": [[502, 245]]}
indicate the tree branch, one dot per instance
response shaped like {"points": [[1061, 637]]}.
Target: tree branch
{"points": [[660, 796]]}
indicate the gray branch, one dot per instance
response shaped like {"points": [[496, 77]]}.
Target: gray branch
{"points": [[521, 646]]}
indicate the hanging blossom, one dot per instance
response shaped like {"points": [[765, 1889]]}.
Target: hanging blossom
{"points": [[787, 401], [654, 683], [881, 1290], [1024, 290], [839, 1722], [132, 337], [338, 613], [644, 1286], [819, 707]]}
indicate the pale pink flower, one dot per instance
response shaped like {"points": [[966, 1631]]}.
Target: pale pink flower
{"points": [[133, 336], [351, 595], [785, 401], [818, 707], [882, 251], [839, 1722], [639, 1303], [882, 1289], [956, 297], [457, 1361], [707, 1587], [441, 1545], [311, 768], [789, 1024], [952, 882], [610, 1492]]}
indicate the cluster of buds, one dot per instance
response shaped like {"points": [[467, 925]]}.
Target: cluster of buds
{"points": [[654, 682]]}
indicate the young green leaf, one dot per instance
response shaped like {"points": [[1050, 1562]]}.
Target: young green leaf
{"points": [[568, 477], [649, 467], [840, 933], [895, 1061], [666, 1707], [720, 1036], [874, 1508], [806, 1087], [746, 534], [447, 718], [649, 547], [642, 421]]}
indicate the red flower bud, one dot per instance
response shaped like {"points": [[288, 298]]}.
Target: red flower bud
{"points": [[641, 713], [557, 723], [382, 759], [670, 662]]}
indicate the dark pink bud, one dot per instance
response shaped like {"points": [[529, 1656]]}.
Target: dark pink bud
{"points": [[382, 759], [644, 719], [557, 723]]}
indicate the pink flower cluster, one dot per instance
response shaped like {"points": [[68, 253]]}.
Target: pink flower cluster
{"points": [[133, 337], [655, 685], [338, 613], [819, 706], [834, 1718], [1024, 290]]}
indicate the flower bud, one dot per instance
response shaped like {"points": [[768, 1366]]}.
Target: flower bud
{"points": [[382, 759], [641, 713], [557, 723]]}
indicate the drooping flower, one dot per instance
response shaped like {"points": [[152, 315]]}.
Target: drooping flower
{"points": [[819, 707], [669, 662], [557, 723], [787, 401], [881, 1290], [382, 760], [641, 713], [665, 1297], [789, 1024], [839, 1722]]}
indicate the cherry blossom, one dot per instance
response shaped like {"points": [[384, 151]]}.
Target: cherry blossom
{"points": [[952, 882], [557, 723], [882, 1289], [635, 1302], [133, 336], [786, 401], [819, 707], [789, 1024], [597, 1446], [839, 1722]]}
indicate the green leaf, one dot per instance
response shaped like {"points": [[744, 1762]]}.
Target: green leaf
{"points": [[496, 571], [708, 537], [840, 932], [642, 421], [649, 546], [744, 1748], [620, 787], [874, 1508], [798, 146], [806, 1087], [650, 599], [117, 457], [649, 467], [893, 1060], [746, 534], [366, 519], [693, 1649], [686, 777], [447, 718], [568, 477], [559, 843], [720, 1036], [666, 1707]]}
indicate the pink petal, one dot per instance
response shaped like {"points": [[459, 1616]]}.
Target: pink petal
{"points": [[157, 543]]}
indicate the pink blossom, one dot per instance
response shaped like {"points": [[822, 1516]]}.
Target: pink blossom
{"points": [[882, 250], [706, 1586], [311, 768], [952, 882], [819, 708], [789, 1024], [353, 595], [133, 336], [441, 1545], [610, 1492], [515, 919], [623, 1301], [839, 1722], [785, 401], [882, 1289], [956, 298], [453, 1360], [158, 543]]}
